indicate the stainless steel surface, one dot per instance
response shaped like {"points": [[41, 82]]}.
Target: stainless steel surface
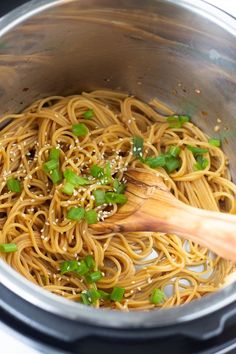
{"points": [[181, 51]]}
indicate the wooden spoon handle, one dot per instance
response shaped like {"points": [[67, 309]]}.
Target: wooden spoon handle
{"points": [[214, 230]]}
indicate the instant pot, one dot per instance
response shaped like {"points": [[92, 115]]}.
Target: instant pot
{"points": [[182, 51]]}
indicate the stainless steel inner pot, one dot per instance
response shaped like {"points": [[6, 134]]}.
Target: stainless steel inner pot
{"points": [[183, 52]]}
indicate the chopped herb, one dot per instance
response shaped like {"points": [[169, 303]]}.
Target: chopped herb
{"points": [[99, 196], [97, 171], [82, 268], [84, 298], [68, 266], [201, 163], [68, 188], [197, 150], [174, 151], [88, 114], [76, 213], [50, 165], [157, 296], [172, 163], [91, 217], [8, 247], [54, 154], [117, 294], [79, 129], [138, 146], [74, 179], [90, 262], [94, 277], [13, 185], [107, 178], [177, 121], [115, 198], [214, 142], [154, 162], [118, 186], [93, 294], [104, 295], [55, 176]]}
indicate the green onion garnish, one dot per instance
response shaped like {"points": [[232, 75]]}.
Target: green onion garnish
{"points": [[55, 176], [157, 296], [94, 277], [104, 295], [88, 114], [76, 213], [99, 196], [155, 162], [68, 188], [138, 146], [177, 121], [74, 179], [84, 298], [68, 266], [50, 165], [115, 198], [214, 142], [8, 247], [118, 186], [93, 295], [90, 262], [91, 217], [107, 174], [82, 268], [79, 129], [13, 185], [201, 163], [97, 171], [174, 151], [117, 294], [172, 163], [197, 150], [54, 154]]}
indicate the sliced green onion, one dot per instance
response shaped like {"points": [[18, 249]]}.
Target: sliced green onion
{"points": [[104, 295], [82, 268], [54, 154], [197, 150], [8, 247], [88, 114], [91, 217], [174, 151], [79, 129], [154, 162], [118, 186], [115, 198], [172, 163], [214, 142], [50, 165], [76, 213], [97, 171], [117, 294], [177, 121], [13, 185], [74, 179], [138, 146], [84, 298], [90, 262], [68, 266], [99, 196], [93, 295], [55, 176], [201, 163], [107, 178], [157, 296], [94, 277], [68, 188]]}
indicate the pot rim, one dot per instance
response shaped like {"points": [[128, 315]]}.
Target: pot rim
{"points": [[103, 317]]}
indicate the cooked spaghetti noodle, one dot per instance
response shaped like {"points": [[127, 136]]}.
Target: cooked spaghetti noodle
{"points": [[35, 217]]}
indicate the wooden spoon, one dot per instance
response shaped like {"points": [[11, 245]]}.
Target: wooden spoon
{"points": [[151, 207]]}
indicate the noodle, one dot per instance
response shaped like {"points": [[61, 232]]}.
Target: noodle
{"points": [[36, 218]]}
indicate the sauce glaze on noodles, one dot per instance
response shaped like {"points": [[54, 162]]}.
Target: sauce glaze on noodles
{"points": [[36, 219]]}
